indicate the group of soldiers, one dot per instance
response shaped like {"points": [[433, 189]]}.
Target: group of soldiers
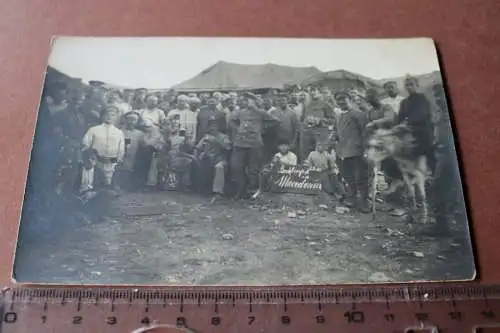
{"points": [[219, 142]]}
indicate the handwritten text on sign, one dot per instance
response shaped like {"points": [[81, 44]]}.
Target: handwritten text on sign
{"points": [[297, 180]]}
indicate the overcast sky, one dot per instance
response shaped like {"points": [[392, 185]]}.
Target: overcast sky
{"points": [[163, 62]]}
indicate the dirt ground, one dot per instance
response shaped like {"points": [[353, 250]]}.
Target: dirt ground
{"points": [[176, 238]]}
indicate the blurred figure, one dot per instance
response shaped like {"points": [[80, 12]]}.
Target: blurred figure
{"points": [[74, 121], [159, 95], [194, 104], [52, 108], [128, 96], [139, 101], [96, 92], [382, 116], [230, 108], [164, 104], [446, 195], [145, 167], [86, 180], [269, 133], [293, 100], [299, 109], [204, 98], [357, 101], [179, 159], [327, 96], [378, 115], [170, 97], [218, 97], [268, 103], [114, 98], [234, 97], [133, 140]]}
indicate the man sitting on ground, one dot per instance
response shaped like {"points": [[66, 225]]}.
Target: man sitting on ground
{"points": [[179, 158], [212, 152], [92, 198], [86, 174], [322, 160], [284, 158]]}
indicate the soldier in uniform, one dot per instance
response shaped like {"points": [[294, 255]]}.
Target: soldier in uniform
{"points": [[249, 124], [348, 139], [318, 116]]}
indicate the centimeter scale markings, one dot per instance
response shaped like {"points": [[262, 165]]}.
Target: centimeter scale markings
{"points": [[453, 309]]}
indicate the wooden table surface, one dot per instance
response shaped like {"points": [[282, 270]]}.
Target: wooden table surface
{"points": [[467, 33]]}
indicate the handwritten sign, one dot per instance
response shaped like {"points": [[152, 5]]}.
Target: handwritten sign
{"points": [[297, 180]]}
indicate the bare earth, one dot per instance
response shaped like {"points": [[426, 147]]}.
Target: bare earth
{"points": [[175, 238]]}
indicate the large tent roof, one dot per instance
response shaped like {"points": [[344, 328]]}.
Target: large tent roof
{"points": [[230, 76], [338, 75]]}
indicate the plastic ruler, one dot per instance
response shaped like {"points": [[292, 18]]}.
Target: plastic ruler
{"points": [[394, 309]]}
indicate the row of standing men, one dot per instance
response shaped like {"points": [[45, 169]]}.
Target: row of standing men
{"points": [[227, 136]]}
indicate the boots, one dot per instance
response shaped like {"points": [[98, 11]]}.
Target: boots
{"points": [[349, 201], [364, 206]]}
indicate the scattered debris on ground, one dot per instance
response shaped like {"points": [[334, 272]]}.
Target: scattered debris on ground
{"points": [[281, 239]]}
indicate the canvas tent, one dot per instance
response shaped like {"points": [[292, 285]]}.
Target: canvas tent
{"points": [[225, 76], [340, 80]]}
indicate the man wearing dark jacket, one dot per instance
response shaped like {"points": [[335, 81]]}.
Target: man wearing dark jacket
{"points": [[209, 113], [248, 123], [139, 101], [415, 111], [318, 116], [348, 136], [288, 127], [287, 130]]}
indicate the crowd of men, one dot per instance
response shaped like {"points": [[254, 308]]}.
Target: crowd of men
{"points": [[220, 142]]}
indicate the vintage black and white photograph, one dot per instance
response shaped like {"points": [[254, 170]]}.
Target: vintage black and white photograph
{"points": [[243, 161]]}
